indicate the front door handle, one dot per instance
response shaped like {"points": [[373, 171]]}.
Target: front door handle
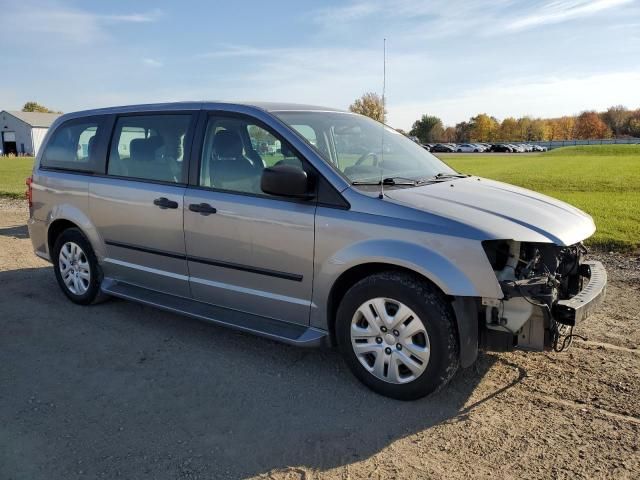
{"points": [[202, 208], [165, 203]]}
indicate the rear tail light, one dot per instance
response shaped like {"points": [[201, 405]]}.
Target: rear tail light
{"points": [[29, 192]]}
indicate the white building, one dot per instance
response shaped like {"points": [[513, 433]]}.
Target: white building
{"points": [[21, 133]]}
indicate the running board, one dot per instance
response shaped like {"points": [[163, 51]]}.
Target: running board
{"points": [[290, 333]]}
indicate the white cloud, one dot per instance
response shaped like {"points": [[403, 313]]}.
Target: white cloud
{"points": [[561, 11], [38, 21], [151, 62], [147, 17], [439, 18], [351, 12], [230, 51]]}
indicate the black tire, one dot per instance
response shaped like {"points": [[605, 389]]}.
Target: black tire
{"points": [[92, 294], [436, 314]]}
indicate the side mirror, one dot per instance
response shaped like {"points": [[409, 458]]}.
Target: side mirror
{"points": [[285, 181]]}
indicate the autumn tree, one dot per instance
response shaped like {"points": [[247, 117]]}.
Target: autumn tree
{"points": [[563, 128], [371, 105], [483, 128], [554, 129], [35, 107], [537, 130], [449, 135], [589, 125], [616, 119], [428, 129], [632, 126], [463, 132], [508, 130]]}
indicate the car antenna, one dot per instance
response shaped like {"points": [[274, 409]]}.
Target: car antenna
{"points": [[384, 84]]}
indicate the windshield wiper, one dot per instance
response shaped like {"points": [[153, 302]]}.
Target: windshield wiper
{"points": [[451, 175], [391, 181]]}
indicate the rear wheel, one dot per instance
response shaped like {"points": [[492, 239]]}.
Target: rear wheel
{"points": [[397, 334], [76, 267]]}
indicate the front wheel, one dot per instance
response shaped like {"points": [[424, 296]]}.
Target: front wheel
{"points": [[397, 334]]}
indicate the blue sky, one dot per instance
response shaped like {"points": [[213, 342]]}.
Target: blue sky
{"points": [[449, 58]]}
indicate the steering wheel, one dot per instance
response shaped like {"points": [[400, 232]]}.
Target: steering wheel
{"points": [[374, 157]]}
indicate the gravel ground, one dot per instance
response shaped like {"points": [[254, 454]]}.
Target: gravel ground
{"points": [[120, 390]]}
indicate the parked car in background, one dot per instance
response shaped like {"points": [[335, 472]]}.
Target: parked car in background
{"points": [[467, 148], [539, 148], [502, 148], [426, 147], [443, 148]]}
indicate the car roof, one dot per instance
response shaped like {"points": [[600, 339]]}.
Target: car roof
{"points": [[197, 105]]}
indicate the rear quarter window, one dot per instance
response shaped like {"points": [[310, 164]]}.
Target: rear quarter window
{"points": [[73, 146]]}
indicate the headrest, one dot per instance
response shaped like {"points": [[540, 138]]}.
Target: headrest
{"points": [[90, 146], [286, 151], [144, 149], [227, 144]]}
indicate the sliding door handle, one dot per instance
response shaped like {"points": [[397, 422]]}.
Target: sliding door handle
{"points": [[164, 203], [202, 208]]}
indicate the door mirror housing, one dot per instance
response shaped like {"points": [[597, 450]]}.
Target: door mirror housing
{"points": [[285, 181]]}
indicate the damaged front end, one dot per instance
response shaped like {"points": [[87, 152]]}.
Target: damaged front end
{"points": [[547, 290]]}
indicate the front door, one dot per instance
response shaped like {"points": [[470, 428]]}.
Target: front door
{"points": [[138, 206], [9, 145], [246, 250]]}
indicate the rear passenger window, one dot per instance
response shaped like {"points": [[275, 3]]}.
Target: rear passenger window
{"points": [[73, 146], [150, 147]]}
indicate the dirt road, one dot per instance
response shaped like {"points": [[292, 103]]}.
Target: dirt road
{"points": [[124, 391]]}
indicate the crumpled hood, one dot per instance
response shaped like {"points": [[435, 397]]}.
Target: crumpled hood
{"points": [[503, 211]]}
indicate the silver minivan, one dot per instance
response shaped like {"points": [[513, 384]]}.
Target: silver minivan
{"points": [[310, 226]]}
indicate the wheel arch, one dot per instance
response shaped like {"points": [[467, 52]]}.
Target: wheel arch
{"points": [[353, 275], [67, 216], [55, 230]]}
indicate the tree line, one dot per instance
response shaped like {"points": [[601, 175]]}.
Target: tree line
{"points": [[616, 122]]}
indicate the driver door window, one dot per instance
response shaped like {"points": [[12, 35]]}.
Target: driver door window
{"points": [[236, 151]]}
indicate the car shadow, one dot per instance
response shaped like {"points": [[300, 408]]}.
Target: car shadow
{"points": [[15, 231], [120, 387]]}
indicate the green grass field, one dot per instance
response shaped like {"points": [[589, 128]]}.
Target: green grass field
{"points": [[13, 173], [601, 180]]}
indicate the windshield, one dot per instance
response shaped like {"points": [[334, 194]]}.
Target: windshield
{"points": [[362, 149]]}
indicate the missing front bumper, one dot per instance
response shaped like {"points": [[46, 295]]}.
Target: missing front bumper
{"points": [[540, 329], [577, 308]]}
